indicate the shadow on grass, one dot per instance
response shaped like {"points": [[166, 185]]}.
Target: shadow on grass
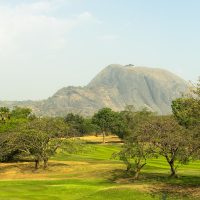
{"points": [[6, 167], [183, 187], [93, 142], [28, 167], [145, 177], [164, 178], [175, 192], [107, 142]]}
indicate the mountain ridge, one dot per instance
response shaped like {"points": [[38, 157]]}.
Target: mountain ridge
{"points": [[115, 86]]}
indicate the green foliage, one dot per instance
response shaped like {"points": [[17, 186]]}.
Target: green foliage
{"points": [[37, 145], [132, 119], [36, 139], [13, 120], [134, 154], [40, 138], [168, 139], [8, 132], [80, 126], [4, 114], [89, 127], [107, 120], [21, 113], [73, 146], [12, 125], [75, 123], [187, 111], [53, 127], [136, 149], [104, 118], [8, 149]]}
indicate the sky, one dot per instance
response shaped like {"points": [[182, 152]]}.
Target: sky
{"points": [[49, 44]]}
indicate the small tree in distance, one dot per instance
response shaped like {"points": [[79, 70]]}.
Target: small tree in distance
{"points": [[104, 119]]}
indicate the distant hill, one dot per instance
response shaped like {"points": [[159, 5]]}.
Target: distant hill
{"points": [[115, 86]]}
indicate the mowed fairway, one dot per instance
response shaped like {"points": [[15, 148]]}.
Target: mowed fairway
{"points": [[95, 175]]}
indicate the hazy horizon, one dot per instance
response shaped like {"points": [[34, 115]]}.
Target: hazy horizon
{"points": [[49, 44]]}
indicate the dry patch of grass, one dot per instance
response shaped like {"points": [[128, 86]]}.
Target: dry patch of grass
{"points": [[99, 139], [139, 187], [55, 170], [175, 190], [25, 170]]}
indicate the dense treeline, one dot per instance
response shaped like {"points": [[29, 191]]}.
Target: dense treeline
{"points": [[145, 135]]}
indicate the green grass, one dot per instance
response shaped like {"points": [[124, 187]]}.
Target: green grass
{"points": [[66, 189], [92, 152], [95, 175]]}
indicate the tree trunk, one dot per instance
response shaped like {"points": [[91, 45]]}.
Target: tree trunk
{"points": [[137, 170], [37, 162], [128, 167], [172, 168], [45, 163], [103, 137], [171, 164], [136, 176]]}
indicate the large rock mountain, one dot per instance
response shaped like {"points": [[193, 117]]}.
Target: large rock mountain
{"points": [[116, 86]]}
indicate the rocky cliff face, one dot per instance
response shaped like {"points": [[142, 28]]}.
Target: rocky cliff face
{"points": [[116, 86]]}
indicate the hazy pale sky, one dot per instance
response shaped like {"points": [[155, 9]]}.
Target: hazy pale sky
{"points": [[48, 44]]}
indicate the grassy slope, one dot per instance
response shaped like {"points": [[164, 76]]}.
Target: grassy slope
{"points": [[94, 175]]}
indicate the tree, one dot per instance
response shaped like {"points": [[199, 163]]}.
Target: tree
{"points": [[135, 150], [127, 121], [76, 124], [119, 126], [135, 153], [40, 138], [37, 145], [104, 119], [187, 109], [21, 113], [187, 112], [88, 127], [23, 136], [7, 148], [9, 128], [4, 114], [169, 140]]}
